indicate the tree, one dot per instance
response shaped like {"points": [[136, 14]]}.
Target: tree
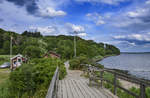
{"points": [[32, 52]]}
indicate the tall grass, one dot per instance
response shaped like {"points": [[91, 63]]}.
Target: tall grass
{"points": [[4, 58]]}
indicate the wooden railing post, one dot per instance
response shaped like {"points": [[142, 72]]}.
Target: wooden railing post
{"points": [[101, 78], [57, 82], [51, 93], [142, 91], [115, 83]]}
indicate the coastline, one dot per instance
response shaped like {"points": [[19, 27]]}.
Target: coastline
{"points": [[102, 57], [124, 83]]}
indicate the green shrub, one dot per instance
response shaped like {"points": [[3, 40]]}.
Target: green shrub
{"points": [[78, 62], [34, 78]]}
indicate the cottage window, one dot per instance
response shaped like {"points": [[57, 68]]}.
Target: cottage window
{"points": [[19, 60]]}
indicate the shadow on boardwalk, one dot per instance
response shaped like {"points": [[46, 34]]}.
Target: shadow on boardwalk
{"points": [[75, 86]]}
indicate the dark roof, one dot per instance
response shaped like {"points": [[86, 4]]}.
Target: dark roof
{"points": [[51, 52]]}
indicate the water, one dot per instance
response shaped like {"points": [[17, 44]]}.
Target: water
{"points": [[136, 64]]}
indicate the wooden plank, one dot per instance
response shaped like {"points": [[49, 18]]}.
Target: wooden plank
{"points": [[64, 90], [59, 94], [77, 89], [83, 90], [75, 95], [100, 94], [89, 90], [86, 90], [69, 93]]}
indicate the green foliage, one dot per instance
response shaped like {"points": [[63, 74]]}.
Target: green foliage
{"points": [[63, 45], [78, 62], [110, 49], [33, 79], [32, 51], [31, 34], [4, 58], [81, 61]]}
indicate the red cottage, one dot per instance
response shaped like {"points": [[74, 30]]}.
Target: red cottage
{"points": [[17, 60]]}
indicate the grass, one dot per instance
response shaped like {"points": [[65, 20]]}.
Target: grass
{"points": [[4, 75], [4, 58]]}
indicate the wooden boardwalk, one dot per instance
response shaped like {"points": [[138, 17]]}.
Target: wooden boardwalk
{"points": [[75, 86]]}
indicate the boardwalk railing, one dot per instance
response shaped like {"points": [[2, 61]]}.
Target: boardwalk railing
{"points": [[53, 88], [117, 75]]}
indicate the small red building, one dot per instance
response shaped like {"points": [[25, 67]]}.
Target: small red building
{"points": [[17, 60], [52, 54]]}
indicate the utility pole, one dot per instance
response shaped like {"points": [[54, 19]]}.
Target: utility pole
{"points": [[75, 44], [11, 49]]}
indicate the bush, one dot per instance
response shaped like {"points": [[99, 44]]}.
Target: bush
{"points": [[78, 62], [34, 78]]}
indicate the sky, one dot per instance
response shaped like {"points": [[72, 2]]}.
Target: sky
{"points": [[123, 23]]}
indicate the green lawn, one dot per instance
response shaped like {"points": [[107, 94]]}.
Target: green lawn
{"points": [[4, 75]]}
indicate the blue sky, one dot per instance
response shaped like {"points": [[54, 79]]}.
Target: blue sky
{"points": [[123, 23]]}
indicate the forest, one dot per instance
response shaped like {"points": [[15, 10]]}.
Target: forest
{"points": [[34, 45]]}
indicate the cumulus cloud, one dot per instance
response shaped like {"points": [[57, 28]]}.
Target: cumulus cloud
{"points": [[138, 39], [50, 12], [65, 29], [96, 18], [147, 2], [110, 2], [74, 28], [82, 34], [30, 5], [48, 30], [36, 8], [134, 18]]}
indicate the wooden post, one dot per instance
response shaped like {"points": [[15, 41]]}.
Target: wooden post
{"points": [[142, 91], [101, 78], [57, 83], [115, 82]]}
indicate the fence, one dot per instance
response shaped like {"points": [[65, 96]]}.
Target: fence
{"points": [[117, 75], [53, 88]]}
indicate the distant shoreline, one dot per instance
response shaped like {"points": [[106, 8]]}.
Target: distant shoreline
{"points": [[134, 52]]}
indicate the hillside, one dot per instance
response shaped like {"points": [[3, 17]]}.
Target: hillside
{"points": [[33, 44]]}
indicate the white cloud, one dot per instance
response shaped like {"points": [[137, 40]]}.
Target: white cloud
{"points": [[96, 18], [147, 2], [138, 37], [138, 12], [48, 30], [65, 29], [119, 37], [82, 34], [110, 2], [75, 28], [51, 12]]}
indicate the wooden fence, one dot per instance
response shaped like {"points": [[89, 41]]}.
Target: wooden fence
{"points": [[117, 75], [53, 88]]}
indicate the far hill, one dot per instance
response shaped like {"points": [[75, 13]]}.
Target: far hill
{"points": [[33, 44]]}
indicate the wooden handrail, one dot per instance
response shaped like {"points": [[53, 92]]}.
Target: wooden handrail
{"points": [[53, 85], [143, 83]]}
